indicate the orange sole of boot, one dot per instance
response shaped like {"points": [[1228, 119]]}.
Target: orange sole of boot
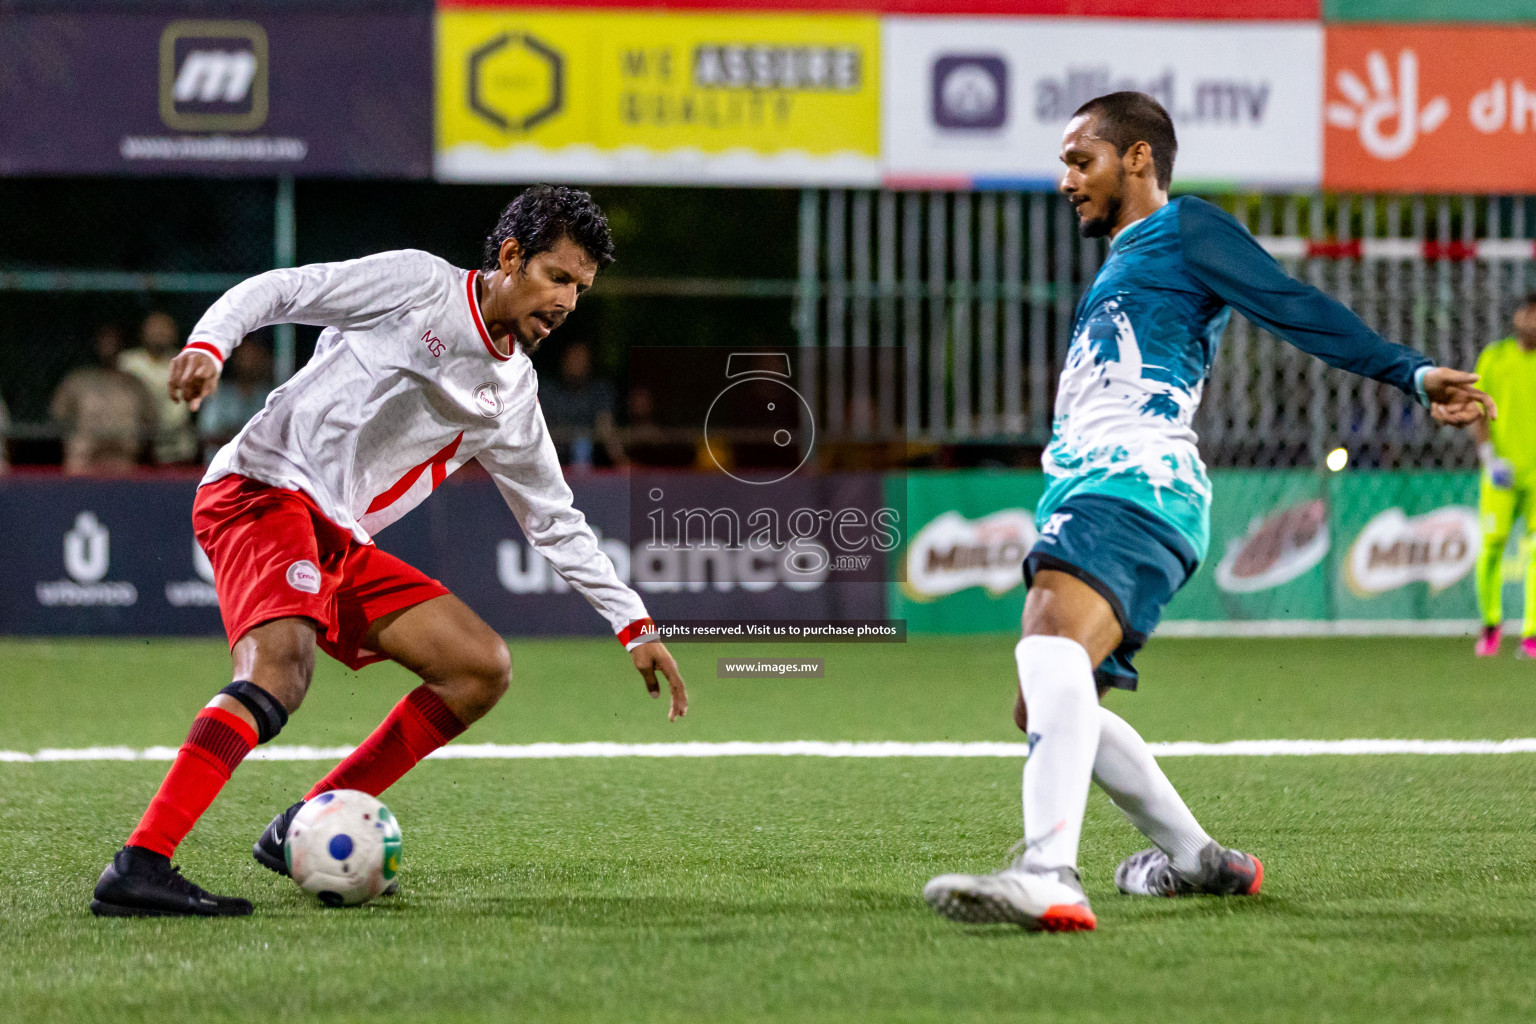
{"points": [[1258, 877], [1068, 917]]}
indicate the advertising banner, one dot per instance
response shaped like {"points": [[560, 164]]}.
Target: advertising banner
{"points": [[118, 557], [1271, 541], [1432, 109], [1287, 546], [968, 535], [84, 557], [478, 551], [745, 422], [1407, 543], [657, 97], [977, 102], [262, 93]]}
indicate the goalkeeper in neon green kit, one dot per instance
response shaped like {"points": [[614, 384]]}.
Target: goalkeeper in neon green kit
{"points": [[1507, 450]]}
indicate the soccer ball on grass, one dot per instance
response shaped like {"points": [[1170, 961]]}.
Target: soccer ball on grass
{"points": [[343, 846]]}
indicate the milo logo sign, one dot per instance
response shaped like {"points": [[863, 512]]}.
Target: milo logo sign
{"points": [[952, 553], [1396, 549], [1276, 549]]}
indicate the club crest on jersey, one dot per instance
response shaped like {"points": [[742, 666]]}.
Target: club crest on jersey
{"points": [[304, 575], [488, 399], [1053, 525]]}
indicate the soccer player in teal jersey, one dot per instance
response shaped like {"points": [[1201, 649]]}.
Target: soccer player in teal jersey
{"points": [[1125, 518]]}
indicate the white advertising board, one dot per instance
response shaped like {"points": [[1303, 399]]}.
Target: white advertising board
{"points": [[983, 101]]}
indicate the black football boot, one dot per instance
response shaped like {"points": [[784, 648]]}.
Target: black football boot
{"points": [[142, 883], [269, 850]]}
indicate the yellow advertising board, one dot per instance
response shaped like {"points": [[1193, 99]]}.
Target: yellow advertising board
{"points": [[526, 94]]}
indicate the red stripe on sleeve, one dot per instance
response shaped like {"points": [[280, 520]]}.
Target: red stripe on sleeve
{"points": [[635, 630], [206, 349]]}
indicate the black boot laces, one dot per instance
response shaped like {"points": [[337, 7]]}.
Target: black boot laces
{"points": [[182, 885]]}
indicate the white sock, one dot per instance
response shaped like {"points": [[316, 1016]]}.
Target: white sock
{"points": [[1126, 770], [1056, 679]]}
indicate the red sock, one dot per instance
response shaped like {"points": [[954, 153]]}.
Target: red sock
{"points": [[218, 742], [418, 725]]}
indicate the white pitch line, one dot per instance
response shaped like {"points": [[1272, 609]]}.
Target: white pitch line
{"points": [[807, 748]]}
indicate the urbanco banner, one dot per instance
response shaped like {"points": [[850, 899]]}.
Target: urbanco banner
{"points": [[982, 102], [118, 557], [92, 557], [1431, 109], [250, 93], [657, 97]]}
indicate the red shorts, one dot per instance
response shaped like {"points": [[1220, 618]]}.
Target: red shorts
{"points": [[275, 555]]}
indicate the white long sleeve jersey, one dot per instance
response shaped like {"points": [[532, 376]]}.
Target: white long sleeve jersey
{"points": [[405, 386]]}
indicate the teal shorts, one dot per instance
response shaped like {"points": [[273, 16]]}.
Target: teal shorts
{"points": [[1133, 559]]}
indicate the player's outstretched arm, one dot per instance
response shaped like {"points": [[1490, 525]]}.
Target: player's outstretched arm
{"points": [[356, 293], [652, 658], [1227, 260]]}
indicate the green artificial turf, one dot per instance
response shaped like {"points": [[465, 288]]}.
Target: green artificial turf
{"points": [[142, 693], [787, 889]]}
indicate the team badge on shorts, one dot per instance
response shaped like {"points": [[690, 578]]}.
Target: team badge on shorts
{"points": [[303, 575], [488, 400]]}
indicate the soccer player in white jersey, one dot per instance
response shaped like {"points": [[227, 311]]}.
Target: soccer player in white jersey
{"points": [[421, 368], [1125, 518]]}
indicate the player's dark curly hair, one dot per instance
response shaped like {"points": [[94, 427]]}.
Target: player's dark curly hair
{"points": [[541, 216], [1126, 118]]}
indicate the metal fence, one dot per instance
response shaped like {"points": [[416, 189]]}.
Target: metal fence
{"points": [[977, 291], [944, 316]]}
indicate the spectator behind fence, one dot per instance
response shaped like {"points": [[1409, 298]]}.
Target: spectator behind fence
{"points": [[579, 410], [107, 414], [175, 440], [242, 392]]}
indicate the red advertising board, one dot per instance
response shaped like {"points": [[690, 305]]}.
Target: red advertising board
{"points": [[1268, 10], [1431, 109]]}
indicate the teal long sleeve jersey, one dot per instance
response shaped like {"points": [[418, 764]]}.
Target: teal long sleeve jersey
{"points": [[1143, 340]]}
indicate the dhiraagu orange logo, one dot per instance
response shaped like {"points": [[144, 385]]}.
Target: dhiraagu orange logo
{"points": [[1430, 108], [657, 96]]}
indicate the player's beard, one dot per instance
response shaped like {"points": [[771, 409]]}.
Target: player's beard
{"points": [[1101, 226], [530, 344]]}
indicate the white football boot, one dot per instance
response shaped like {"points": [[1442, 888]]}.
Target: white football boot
{"points": [[1050, 901], [1222, 872]]}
